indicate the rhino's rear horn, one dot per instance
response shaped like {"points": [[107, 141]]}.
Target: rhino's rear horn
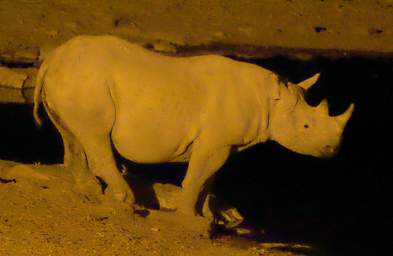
{"points": [[344, 117], [323, 107], [306, 84]]}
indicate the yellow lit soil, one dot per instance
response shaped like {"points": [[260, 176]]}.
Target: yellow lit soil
{"points": [[48, 217], [348, 25]]}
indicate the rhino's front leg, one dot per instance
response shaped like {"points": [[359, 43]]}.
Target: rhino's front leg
{"points": [[204, 163]]}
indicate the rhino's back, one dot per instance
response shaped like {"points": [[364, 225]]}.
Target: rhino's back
{"points": [[158, 102]]}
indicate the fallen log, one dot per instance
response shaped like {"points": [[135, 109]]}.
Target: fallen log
{"points": [[20, 59], [10, 78]]}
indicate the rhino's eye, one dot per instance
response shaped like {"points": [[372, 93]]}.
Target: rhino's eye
{"points": [[306, 126]]}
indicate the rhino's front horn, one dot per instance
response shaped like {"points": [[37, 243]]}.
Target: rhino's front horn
{"points": [[344, 117], [323, 107], [306, 84]]}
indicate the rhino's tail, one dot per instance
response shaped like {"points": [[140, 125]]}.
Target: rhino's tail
{"points": [[37, 93]]}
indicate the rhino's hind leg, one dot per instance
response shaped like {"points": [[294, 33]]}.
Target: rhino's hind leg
{"points": [[86, 123], [74, 157], [75, 160], [204, 163], [102, 163]]}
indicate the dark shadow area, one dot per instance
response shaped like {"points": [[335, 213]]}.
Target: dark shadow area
{"points": [[21, 140], [142, 176], [343, 204]]}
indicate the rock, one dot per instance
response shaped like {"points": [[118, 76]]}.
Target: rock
{"points": [[24, 172], [155, 229], [164, 46], [52, 32], [43, 175], [243, 231], [167, 194]]}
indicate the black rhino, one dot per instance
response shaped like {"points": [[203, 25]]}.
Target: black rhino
{"points": [[101, 91]]}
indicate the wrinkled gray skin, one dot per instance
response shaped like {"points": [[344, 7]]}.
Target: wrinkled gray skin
{"points": [[101, 90]]}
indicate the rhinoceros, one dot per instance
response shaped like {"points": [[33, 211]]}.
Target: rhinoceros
{"points": [[103, 94]]}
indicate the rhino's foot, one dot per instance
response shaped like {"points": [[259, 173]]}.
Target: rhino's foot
{"points": [[187, 203], [89, 187], [117, 200], [124, 195], [171, 198]]}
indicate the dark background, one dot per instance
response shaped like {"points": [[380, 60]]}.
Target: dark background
{"points": [[344, 204]]}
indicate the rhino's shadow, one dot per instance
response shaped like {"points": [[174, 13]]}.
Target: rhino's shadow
{"points": [[141, 178], [336, 200]]}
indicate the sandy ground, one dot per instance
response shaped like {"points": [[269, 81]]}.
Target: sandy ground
{"points": [[230, 26], [42, 214]]}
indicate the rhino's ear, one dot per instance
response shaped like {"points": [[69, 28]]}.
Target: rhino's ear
{"points": [[306, 84], [276, 95]]}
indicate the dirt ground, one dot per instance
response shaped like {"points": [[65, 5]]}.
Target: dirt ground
{"points": [[47, 216], [232, 27], [41, 213]]}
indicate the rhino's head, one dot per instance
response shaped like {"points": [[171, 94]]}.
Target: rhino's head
{"points": [[303, 128]]}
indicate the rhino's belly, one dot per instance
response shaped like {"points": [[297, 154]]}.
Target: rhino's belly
{"points": [[144, 142]]}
